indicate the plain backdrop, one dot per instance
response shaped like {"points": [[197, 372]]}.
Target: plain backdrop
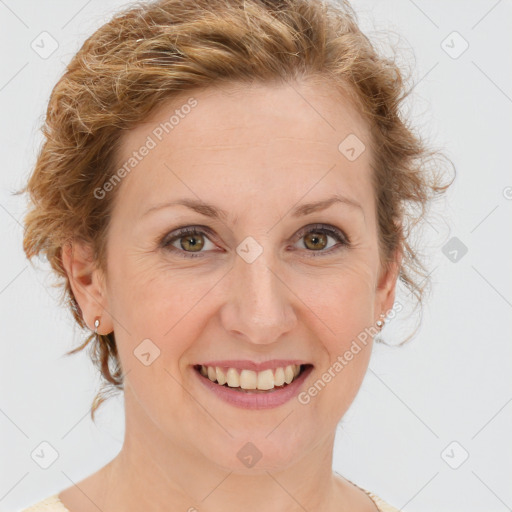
{"points": [[430, 427]]}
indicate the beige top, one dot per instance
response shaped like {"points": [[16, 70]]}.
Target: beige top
{"points": [[53, 504]]}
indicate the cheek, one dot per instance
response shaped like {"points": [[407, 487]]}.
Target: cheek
{"points": [[146, 295], [343, 317], [339, 379], [159, 305], [341, 298], [156, 321]]}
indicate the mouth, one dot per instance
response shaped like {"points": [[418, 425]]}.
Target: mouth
{"points": [[243, 380]]}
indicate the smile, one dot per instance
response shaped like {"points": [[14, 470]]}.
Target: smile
{"points": [[251, 389]]}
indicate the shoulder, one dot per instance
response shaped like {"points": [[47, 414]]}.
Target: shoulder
{"points": [[380, 503], [49, 504]]}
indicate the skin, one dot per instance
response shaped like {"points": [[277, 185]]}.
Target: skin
{"points": [[258, 152]]}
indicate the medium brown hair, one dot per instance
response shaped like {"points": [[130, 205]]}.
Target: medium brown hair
{"points": [[154, 51]]}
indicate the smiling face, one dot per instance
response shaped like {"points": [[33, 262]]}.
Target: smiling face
{"points": [[263, 278]]}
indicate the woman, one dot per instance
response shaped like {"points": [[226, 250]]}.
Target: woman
{"points": [[224, 191]]}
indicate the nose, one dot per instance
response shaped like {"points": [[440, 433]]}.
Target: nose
{"points": [[259, 306]]}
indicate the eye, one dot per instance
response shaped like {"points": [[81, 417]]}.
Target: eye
{"points": [[315, 239], [193, 239]]}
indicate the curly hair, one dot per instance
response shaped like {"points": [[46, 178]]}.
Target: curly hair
{"points": [[151, 52]]}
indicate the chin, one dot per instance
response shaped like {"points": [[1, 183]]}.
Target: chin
{"points": [[256, 452]]}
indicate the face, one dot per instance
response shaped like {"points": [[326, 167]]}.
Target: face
{"points": [[259, 278]]}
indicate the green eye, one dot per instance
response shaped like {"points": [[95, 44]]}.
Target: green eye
{"points": [[316, 237], [192, 239]]}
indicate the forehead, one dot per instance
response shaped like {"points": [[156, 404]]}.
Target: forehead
{"points": [[235, 142]]}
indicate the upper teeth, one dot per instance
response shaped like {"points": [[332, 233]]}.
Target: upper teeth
{"points": [[249, 379]]}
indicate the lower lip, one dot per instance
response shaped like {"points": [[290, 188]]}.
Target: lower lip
{"points": [[256, 400]]}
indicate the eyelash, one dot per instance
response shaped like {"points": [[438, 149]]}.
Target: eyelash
{"points": [[343, 240]]}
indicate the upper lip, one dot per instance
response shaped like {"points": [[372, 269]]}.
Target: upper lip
{"points": [[245, 364]]}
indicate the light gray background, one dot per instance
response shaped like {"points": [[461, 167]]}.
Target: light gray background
{"points": [[452, 383]]}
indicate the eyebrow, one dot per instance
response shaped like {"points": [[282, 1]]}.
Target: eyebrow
{"points": [[212, 211]]}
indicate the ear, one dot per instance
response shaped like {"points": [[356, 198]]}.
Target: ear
{"points": [[87, 283], [386, 285]]}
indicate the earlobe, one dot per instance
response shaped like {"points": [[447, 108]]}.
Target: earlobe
{"points": [[85, 281]]}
